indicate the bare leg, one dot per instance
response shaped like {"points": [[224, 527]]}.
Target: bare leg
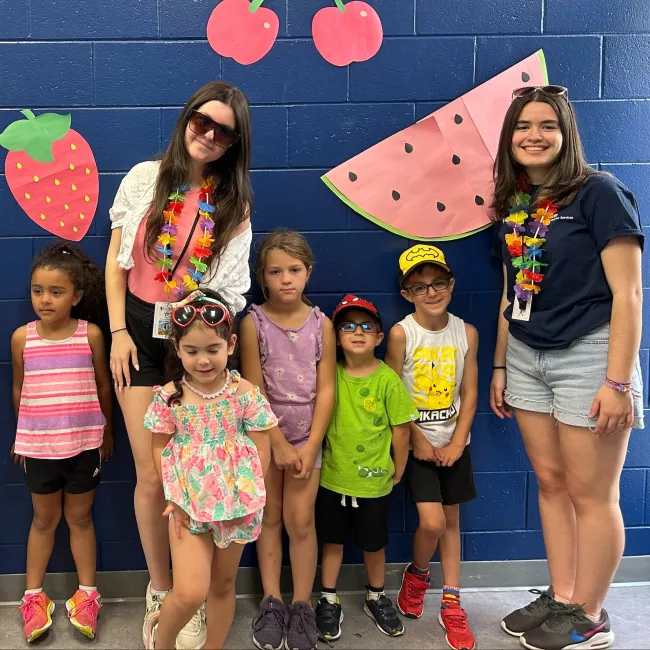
{"points": [[331, 559], [298, 511], [431, 527], [449, 547], [78, 511], [149, 499], [47, 514], [593, 471], [221, 598], [269, 543], [191, 561], [375, 567], [542, 439]]}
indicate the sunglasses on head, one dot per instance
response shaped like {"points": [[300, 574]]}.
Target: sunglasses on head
{"points": [[557, 91], [212, 314], [349, 326], [223, 136]]}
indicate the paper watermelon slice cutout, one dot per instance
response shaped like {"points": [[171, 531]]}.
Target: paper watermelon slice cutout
{"points": [[434, 180]]}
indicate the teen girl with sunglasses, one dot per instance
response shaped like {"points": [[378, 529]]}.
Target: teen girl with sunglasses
{"points": [[178, 223], [211, 450], [566, 358]]}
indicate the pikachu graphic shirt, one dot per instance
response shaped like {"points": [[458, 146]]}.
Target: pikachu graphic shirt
{"points": [[432, 373]]}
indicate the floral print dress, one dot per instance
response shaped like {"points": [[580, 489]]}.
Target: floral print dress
{"points": [[210, 467]]}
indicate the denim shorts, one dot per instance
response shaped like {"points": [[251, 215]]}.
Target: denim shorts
{"points": [[564, 382]]}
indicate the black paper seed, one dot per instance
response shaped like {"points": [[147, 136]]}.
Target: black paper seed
{"points": [[441, 207], [458, 119], [352, 176], [408, 148], [455, 159], [525, 76], [479, 200], [396, 196]]}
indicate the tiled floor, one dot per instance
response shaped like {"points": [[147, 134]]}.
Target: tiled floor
{"points": [[120, 624]]}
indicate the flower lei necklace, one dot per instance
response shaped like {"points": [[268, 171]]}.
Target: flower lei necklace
{"points": [[525, 250], [167, 239]]}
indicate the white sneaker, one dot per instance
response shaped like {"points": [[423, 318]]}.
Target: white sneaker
{"points": [[194, 634], [153, 605]]}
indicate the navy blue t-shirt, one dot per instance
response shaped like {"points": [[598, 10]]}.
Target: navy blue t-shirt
{"points": [[574, 296]]}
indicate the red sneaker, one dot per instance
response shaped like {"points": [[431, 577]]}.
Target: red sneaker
{"points": [[458, 635], [410, 600]]}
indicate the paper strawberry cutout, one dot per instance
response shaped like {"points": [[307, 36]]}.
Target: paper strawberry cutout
{"points": [[242, 30], [347, 33], [51, 172]]}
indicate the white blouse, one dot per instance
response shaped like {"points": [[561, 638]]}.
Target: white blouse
{"points": [[132, 202]]}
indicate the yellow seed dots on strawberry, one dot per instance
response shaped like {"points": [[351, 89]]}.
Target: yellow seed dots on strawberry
{"points": [[42, 216], [71, 166], [61, 224], [81, 215], [73, 147], [48, 199], [87, 170], [57, 181], [36, 179], [86, 198], [75, 228], [19, 166], [66, 206], [74, 188], [28, 196]]}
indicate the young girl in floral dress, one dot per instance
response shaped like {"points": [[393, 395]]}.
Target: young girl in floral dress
{"points": [[211, 449]]}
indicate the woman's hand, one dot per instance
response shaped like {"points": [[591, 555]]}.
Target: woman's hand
{"points": [[180, 518], [307, 455], [286, 457], [122, 350], [614, 410], [497, 389]]}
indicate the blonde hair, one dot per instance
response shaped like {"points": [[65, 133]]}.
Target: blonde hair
{"points": [[290, 242]]}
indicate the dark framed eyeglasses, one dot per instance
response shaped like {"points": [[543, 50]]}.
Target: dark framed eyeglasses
{"points": [[211, 314], [222, 135], [524, 91], [348, 327], [420, 288]]}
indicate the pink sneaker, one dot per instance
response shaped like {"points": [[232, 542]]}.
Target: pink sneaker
{"points": [[37, 614], [83, 609]]}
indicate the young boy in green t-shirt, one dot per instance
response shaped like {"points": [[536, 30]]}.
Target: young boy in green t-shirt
{"points": [[370, 419]]}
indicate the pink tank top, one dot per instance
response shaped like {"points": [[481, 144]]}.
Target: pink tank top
{"points": [[141, 281]]}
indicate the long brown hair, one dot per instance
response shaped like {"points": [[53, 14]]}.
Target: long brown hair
{"points": [[567, 175], [290, 242], [232, 196]]}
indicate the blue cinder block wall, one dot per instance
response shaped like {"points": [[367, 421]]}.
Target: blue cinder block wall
{"points": [[124, 68]]}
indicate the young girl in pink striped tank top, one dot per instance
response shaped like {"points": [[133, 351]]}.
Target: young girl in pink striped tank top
{"points": [[62, 398]]}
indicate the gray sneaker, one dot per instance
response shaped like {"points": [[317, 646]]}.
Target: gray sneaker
{"points": [[269, 624], [533, 615], [302, 633]]}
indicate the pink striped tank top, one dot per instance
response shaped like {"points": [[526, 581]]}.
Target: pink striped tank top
{"points": [[59, 415]]}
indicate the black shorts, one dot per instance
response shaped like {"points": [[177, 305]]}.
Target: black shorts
{"points": [[77, 475], [151, 352], [368, 522], [429, 483]]}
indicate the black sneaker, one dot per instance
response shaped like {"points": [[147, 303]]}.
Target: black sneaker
{"points": [[269, 625], [570, 629], [302, 633], [328, 619], [533, 615], [382, 612]]}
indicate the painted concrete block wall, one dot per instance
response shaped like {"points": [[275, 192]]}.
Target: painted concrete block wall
{"points": [[124, 68]]}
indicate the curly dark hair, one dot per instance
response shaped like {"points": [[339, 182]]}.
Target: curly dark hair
{"points": [[84, 274], [174, 369]]}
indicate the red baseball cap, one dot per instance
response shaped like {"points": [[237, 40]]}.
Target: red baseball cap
{"points": [[350, 301]]}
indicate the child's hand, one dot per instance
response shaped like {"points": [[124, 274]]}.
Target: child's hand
{"points": [[307, 457], [286, 457], [447, 456], [396, 479], [424, 450], [180, 518], [16, 458], [107, 447]]}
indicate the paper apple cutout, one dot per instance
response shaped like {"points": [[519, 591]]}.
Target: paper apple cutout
{"points": [[347, 33], [242, 30]]}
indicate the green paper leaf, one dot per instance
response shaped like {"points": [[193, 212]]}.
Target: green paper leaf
{"points": [[176, 196], [56, 125], [166, 263]]}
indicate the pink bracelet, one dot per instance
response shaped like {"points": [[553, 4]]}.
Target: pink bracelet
{"points": [[621, 387]]}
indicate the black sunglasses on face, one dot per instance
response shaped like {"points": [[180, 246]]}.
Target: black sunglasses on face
{"points": [[349, 327], [222, 135]]}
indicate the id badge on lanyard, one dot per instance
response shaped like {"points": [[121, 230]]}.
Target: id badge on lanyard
{"points": [[521, 310]]}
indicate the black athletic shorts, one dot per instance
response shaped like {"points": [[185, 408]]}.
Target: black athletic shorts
{"points": [[368, 522], [151, 352], [447, 485], [76, 475]]}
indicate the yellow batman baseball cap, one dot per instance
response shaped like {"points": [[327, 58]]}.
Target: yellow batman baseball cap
{"points": [[416, 256]]}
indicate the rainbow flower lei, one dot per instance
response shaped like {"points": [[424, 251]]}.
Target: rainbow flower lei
{"points": [[526, 250], [169, 232]]}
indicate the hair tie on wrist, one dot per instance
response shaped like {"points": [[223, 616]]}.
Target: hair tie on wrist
{"points": [[498, 367], [118, 330]]}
